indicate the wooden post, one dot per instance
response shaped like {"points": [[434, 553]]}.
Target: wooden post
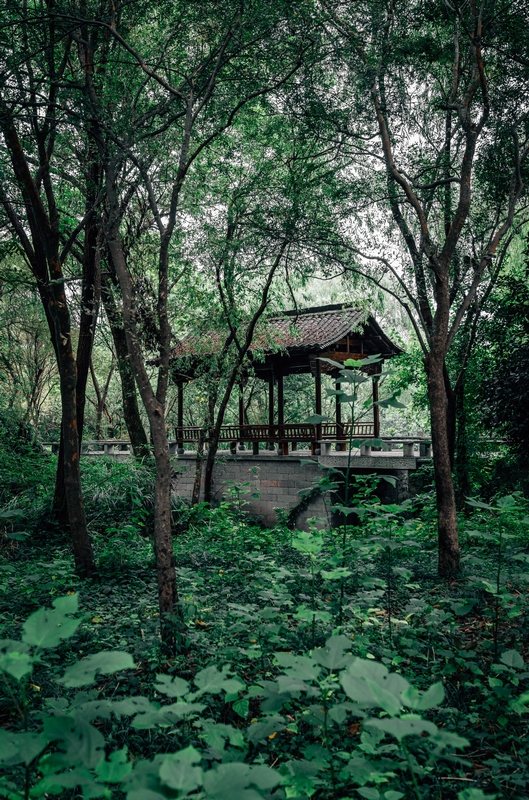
{"points": [[318, 397], [241, 416], [339, 427], [271, 415], [376, 411], [281, 414], [280, 401], [180, 418]]}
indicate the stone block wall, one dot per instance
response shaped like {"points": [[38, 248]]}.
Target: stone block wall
{"points": [[277, 480]]}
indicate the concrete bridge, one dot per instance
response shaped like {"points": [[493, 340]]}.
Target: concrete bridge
{"points": [[277, 479]]}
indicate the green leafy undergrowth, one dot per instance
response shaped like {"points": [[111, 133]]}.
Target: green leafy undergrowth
{"points": [[80, 738], [249, 594]]}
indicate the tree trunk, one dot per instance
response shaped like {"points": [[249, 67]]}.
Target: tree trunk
{"points": [[172, 625], [131, 411], [463, 488], [451, 416], [195, 496], [448, 564], [171, 621], [87, 326]]}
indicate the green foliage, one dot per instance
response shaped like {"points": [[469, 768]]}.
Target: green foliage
{"points": [[62, 748], [305, 675]]}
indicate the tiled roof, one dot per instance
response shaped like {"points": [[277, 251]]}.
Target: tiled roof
{"points": [[301, 331], [313, 329]]}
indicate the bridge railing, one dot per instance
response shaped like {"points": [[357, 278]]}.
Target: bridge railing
{"points": [[282, 435], [293, 432]]}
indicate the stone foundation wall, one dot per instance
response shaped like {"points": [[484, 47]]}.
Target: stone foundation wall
{"points": [[277, 480]]}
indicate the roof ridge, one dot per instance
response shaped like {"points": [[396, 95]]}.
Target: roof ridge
{"points": [[315, 310]]}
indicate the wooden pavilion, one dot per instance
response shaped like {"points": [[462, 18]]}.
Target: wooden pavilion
{"points": [[293, 343]]}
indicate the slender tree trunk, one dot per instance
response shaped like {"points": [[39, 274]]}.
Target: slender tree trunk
{"points": [[171, 628], [451, 416], [463, 488], [131, 411], [448, 564], [213, 445], [87, 326], [172, 625], [59, 314], [195, 495], [47, 268]]}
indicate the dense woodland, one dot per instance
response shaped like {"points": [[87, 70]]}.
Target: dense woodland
{"points": [[173, 169]]}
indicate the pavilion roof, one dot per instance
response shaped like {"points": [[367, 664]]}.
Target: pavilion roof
{"points": [[307, 330]]}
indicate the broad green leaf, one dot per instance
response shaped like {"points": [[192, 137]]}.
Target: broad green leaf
{"points": [[338, 573], [15, 659], [116, 768], [431, 698], [48, 627], [512, 659], [172, 687], [444, 739], [308, 542], [345, 510], [470, 501], [520, 705], [301, 667], [107, 662], [68, 604], [82, 743], [333, 656], [229, 781], [460, 608], [336, 364], [80, 776], [216, 733], [16, 748], [507, 503], [133, 705], [368, 793], [178, 771], [370, 684], [475, 794], [241, 708], [214, 682], [409, 725], [353, 363], [11, 513]]}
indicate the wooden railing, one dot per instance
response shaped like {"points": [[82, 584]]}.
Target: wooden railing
{"points": [[277, 433], [331, 436]]}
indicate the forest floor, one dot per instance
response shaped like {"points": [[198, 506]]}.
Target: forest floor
{"points": [[266, 602]]}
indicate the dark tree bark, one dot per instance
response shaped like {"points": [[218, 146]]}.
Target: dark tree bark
{"points": [[131, 411], [171, 618], [462, 473], [90, 290], [101, 398], [44, 257]]}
